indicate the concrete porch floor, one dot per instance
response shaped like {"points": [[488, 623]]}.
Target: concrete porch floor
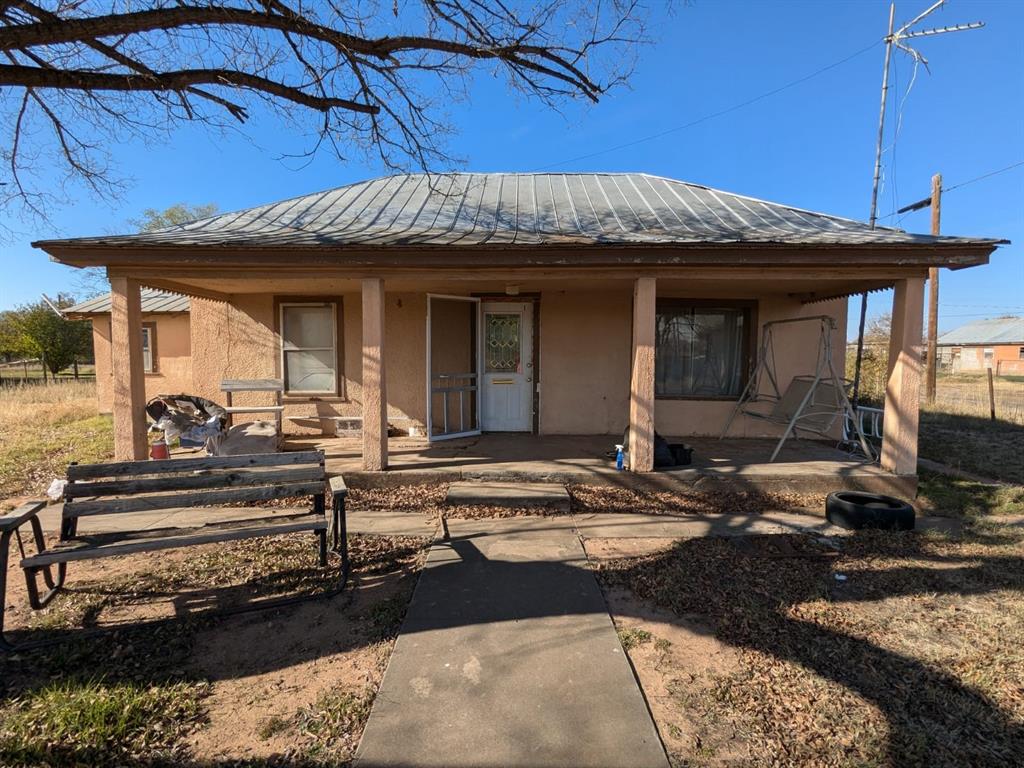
{"points": [[803, 466]]}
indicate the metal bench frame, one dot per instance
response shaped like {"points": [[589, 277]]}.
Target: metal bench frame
{"points": [[235, 484]]}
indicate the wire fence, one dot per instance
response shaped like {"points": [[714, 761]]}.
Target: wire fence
{"points": [[32, 371]]}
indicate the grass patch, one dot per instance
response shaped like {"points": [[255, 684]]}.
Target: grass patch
{"points": [[128, 697], [632, 637], [975, 444], [44, 428], [917, 658], [97, 723], [332, 726], [951, 497], [273, 726]]}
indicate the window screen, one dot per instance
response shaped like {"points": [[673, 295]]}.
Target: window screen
{"points": [[700, 351], [309, 348]]}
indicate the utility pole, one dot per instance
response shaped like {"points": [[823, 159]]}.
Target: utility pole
{"points": [[894, 38], [933, 295], [934, 201]]}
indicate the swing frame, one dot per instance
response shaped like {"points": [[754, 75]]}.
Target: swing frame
{"points": [[799, 418]]}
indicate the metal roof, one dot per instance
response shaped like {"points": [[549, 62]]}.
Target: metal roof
{"points": [[991, 332], [460, 209], [152, 301]]}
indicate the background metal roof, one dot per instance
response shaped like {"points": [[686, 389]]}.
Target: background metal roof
{"points": [[152, 301], [998, 330], [519, 209]]}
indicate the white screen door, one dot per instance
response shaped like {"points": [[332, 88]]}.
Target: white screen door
{"points": [[453, 391], [507, 351]]}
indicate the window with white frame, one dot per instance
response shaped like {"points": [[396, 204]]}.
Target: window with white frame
{"points": [[309, 347], [149, 348]]}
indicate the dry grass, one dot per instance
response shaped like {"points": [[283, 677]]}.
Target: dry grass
{"points": [[43, 429], [967, 395], [993, 449], [915, 658]]}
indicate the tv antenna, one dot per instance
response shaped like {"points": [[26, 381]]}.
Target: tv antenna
{"points": [[895, 38]]}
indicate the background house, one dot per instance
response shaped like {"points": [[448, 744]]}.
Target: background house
{"points": [[166, 343], [996, 343]]}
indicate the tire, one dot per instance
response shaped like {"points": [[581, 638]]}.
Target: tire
{"points": [[855, 510]]}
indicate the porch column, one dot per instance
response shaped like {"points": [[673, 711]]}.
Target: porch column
{"points": [[903, 387], [127, 368], [641, 387], [375, 403]]}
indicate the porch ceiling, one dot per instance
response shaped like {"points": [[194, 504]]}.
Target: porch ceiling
{"points": [[697, 286]]}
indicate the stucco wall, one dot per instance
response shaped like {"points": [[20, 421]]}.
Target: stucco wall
{"points": [[585, 365], [585, 352], [584, 359], [173, 373], [239, 341]]}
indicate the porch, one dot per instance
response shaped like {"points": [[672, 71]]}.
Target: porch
{"points": [[803, 466]]}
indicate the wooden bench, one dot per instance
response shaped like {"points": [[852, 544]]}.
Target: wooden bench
{"points": [[273, 386], [160, 486]]}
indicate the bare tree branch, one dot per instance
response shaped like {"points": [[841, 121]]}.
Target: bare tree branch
{"points": [[89, 73]]}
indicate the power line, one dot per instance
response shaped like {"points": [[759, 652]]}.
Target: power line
{"points": [[713, 115], [985, 176], [923, 203]]}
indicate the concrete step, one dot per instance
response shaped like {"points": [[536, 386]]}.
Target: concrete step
{"points": [[548, 495]]}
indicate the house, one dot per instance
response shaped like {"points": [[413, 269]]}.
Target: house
{"points": [[166, 343], [996, 343], [560, 303]]}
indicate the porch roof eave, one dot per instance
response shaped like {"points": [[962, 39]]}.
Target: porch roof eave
{"points": [[952, 253]]}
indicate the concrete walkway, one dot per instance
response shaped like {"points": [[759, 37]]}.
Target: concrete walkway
{"points": [[508, 657]]}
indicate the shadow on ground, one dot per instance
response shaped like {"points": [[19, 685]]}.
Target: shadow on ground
{"points": [[789, 607]]}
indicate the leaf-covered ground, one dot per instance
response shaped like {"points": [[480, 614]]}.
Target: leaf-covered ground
{"points": [[877, 650], [171, 684]]}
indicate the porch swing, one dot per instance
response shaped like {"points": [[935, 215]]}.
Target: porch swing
{"points": [[814, 403]]}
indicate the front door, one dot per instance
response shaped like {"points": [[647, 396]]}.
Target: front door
{"points": [[507, 340]]}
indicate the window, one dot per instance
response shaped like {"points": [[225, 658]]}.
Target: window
{"points": [[502, 343], [1020, 353], [309, 347], [149, 348], [701, 349]]}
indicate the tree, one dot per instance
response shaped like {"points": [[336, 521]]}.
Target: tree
{"points": [[874, 366], [351, 74], [48, 335], [92, 281], [179, 213], [13, 344]]}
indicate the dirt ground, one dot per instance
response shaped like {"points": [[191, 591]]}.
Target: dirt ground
{"points": [[877, 650], [288, 686]]}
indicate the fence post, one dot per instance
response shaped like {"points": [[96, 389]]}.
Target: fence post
{"points": [[991, 396]]}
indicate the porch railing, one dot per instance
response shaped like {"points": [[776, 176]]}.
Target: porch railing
{"points": [[451, 387], [870, 422]]}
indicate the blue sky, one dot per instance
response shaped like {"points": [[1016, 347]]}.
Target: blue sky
{"points": [[811, 145]]}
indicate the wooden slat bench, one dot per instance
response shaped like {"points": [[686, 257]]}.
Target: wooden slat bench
{"points": [[273, 386], [158, 486]]}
